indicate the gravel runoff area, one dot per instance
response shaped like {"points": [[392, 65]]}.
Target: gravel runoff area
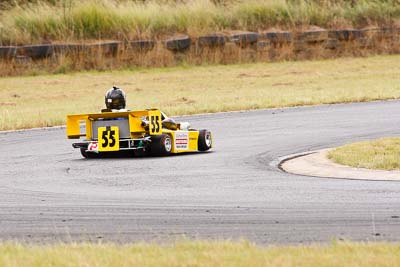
{"points": [[318, 164]]}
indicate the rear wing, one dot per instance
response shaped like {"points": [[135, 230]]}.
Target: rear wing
{"points": [[136, 125]]}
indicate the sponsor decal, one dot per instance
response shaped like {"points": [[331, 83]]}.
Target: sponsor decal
{"points": [[93, 146], [181, 140]]}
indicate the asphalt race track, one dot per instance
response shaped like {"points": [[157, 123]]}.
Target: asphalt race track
{"points": [[49, 193]]}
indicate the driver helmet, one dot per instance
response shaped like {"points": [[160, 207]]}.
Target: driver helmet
{"points": [[115, 98]]}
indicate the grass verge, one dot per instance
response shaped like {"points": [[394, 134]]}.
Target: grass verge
{"points": [[201, 254], [383, 154], [103, 19], [37, 101]]}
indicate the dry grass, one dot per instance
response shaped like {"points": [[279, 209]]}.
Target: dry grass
{"points": [[102, 19], [199, 253], [45, 100], [381, 154]]}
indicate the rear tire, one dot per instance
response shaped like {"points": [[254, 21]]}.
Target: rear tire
{"points": [[161, 145], [205, 140], [88, 155]]}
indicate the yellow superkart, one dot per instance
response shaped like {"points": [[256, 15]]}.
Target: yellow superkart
{"points": [[143, 132]]}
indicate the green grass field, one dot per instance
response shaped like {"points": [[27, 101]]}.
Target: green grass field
{"points": [[104, 19], [208, 254], [38, 101], [383, 154]]}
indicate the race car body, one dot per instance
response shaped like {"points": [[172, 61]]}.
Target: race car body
{"points": [[149, 131]]}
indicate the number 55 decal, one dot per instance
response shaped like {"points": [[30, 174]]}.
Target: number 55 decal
{"points": [[155, 125], [108, 138]]}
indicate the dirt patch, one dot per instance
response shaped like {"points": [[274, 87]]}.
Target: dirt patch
{"points": [[184, 100], [296, 73], [282, 84], [250, 75], [54, 82], [7, 104]]}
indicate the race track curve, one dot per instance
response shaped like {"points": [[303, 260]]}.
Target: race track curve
{"points": [[48, 193]]}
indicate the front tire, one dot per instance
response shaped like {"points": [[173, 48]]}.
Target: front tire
{"points": [[205, 140], [161, 145]]}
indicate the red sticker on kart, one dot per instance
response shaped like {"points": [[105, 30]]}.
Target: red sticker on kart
{"points": [[181, 140], [93, 146]]}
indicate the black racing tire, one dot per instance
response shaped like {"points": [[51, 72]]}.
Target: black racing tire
{"points": [[38, 51], [8, 52], [178, 44], [161, 145], [245, 39], [64, 49], [142, 45], [212, 40], [139, 153], [314, 36], [346, 35], [88, 155], [205, 140], [279, 37]]}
